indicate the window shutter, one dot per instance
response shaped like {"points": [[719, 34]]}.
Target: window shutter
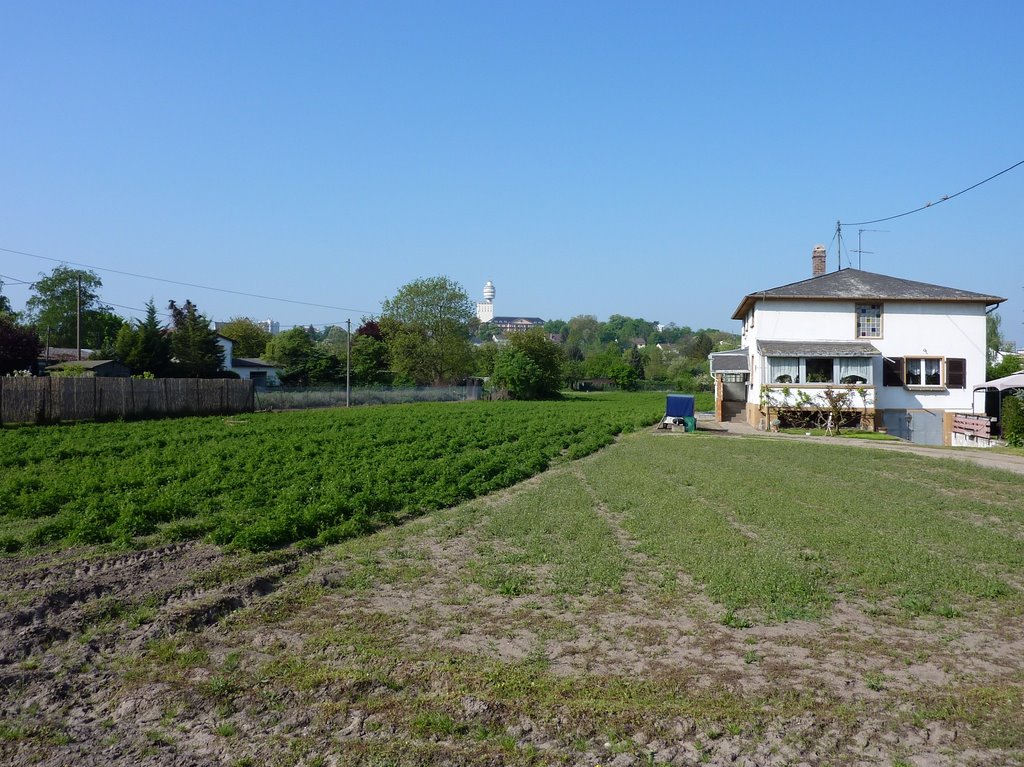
{"points": [[956, 373], [892, 371]]}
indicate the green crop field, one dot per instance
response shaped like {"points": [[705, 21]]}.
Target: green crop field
{"points": [[265, 480]]}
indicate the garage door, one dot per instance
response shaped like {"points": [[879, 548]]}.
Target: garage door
{"points": [[925, 427], [897, 423]]}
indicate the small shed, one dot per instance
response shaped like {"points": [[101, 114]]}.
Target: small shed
{"points": [[93, 368]]}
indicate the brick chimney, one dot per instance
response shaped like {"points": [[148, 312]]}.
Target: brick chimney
{"points": [[818, 261]]}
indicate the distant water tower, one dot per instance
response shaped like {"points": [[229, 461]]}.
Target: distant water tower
{"points": [[485, 308]]}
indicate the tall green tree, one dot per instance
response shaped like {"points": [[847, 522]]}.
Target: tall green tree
{"points": [[194, 343], [558, 328], [335, 341], [6, 310], [19, 346], [427, 327], [250, 339], [584, 335], [635, 360], [369, 361], [145, 346], [993, 334], [52, 308], [302, 361]]}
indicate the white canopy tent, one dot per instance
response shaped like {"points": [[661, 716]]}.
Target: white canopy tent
{"points": [[988, 397]]}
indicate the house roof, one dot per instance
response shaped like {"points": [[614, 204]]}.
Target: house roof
{"points": [[732, 361], [507, 320], [854, 284], [817, 349], [250, 362], [63, 353], [87, 364]]}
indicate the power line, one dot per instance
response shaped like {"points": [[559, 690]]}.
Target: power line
{"points": [[9, 280], [187, 284], [945, 198]]}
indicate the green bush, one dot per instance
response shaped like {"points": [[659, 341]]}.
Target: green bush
{"points": [[1013, 420], [530, 367]]}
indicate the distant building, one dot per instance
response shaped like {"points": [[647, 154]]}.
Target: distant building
{"points": [[485, 308], [517, 324], [506, 323], [261, 372]]}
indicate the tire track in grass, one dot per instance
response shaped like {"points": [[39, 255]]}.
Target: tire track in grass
{"points": [[681, 519]]}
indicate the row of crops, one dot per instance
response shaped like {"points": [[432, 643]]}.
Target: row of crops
{"points": [[269, 479]]}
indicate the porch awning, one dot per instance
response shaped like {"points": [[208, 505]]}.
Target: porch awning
{"points": [[817, 349], [732, 361], [1015, 381]]}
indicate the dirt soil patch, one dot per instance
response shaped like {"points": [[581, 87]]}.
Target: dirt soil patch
{"points": [[437, 643]]}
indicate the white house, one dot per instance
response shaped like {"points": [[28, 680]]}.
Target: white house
{"points": [[261, 372], [908, 354]]}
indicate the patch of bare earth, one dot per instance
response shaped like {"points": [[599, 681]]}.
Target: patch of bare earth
{"points": [[390, 650]]}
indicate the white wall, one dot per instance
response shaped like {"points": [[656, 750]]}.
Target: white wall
{"points": [[909, 329], [246, 373]]}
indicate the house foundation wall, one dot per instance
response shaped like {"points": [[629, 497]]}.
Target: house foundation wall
{"points": [[870, 419]]}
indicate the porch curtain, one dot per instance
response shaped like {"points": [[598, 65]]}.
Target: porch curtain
{"points": [[783, 366], [854, 366]]}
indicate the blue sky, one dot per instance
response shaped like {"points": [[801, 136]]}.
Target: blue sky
{"points": [[658, 160]]}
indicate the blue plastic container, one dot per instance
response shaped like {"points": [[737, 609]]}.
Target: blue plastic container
{"points": [[679, 406]]}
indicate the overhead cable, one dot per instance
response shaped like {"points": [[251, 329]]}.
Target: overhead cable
{"points": [[945, 198], [187, 284]]}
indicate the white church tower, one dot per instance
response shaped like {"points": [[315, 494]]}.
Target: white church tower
{"points": [[485, 308]]}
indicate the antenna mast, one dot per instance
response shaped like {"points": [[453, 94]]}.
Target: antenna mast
{"points": [[860, 249], [839, 245]]}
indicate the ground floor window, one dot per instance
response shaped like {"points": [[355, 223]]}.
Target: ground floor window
{"points": [[784, 370], [923, 371], [819, 370]]}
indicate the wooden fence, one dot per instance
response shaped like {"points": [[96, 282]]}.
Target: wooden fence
{"points": [[51, 400], [977, 426]]}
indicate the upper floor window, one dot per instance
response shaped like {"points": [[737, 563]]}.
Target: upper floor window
{"points": [[869, 320]]}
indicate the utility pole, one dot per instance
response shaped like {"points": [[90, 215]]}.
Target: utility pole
{"points": [[78, 318], [348, 363]]}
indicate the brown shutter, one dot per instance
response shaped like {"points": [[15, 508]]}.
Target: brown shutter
{"points": [[892, 371], [956, 373]]}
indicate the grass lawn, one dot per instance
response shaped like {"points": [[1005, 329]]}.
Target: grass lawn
{"points": [[784, 528]]}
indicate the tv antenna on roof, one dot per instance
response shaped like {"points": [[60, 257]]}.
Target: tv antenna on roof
{"points": [[860, 251]]}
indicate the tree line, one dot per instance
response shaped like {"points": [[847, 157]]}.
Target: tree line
{"points": [[426, 334]]}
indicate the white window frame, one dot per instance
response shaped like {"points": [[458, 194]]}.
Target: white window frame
{"points": [[922, 365], [800, 379]]}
